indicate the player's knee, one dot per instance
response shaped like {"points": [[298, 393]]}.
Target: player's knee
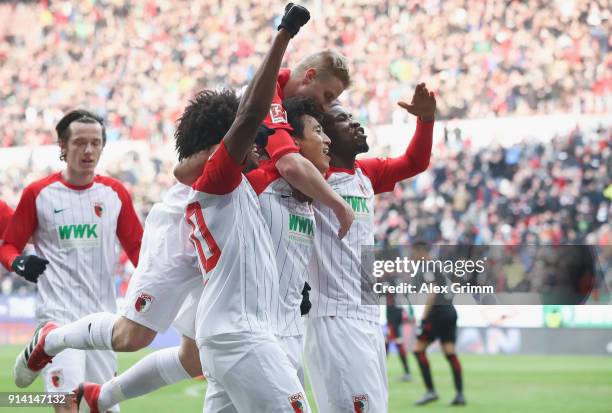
{"points": [[130, 336]]}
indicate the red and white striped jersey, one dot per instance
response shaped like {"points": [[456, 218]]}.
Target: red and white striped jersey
{"points": [[234, 248], [292, 228], [334, 273], [76, 229]]}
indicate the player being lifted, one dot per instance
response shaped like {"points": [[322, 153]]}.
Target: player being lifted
{"points": [[321, 76], [345, 349], [236, 316], [74, 218]]}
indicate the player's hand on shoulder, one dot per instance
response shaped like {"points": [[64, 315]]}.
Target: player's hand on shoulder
{"points": [[294, 18], [422, 105], [29, 267]]}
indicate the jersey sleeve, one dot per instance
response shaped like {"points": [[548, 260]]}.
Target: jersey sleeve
{"points": [[129, 228], [20, 228], [262, 177], [280, 143], [384, 173], [6, 212], [221, 175]]}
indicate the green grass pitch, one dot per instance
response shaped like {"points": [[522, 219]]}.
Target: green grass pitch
{"points": [[505, 383]]}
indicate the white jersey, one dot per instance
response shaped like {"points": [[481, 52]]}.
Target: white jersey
{"points": [[292, 228], [76, 229], [235, 250], [334, 273]]}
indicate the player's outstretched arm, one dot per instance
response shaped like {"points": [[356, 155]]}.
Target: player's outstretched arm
{"points": [[385, 173], [259, 93]]}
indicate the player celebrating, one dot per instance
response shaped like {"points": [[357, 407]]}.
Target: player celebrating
{"points": [[439, 321], [74, 218], [321, 76], [290, 219], [345, 350], [244, 362]]}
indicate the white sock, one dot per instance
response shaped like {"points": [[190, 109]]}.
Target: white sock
{"points": [[92, 332], [155, 370]]}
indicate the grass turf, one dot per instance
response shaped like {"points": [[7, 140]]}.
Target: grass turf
{"points": [[501, 383]]}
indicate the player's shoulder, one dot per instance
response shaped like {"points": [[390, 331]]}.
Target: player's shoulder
{"points": [[34, 188], [263, 176], [114, 184]]}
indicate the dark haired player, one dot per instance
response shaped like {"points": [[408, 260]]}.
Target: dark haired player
{"points": [[237, 315], [74, 218], [345, 349], [439, 321], [290, 219]]}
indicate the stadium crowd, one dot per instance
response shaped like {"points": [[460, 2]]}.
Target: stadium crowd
{"points": [[137, 62], [530, 193]]}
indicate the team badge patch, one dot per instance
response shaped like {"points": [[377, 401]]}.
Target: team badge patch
{"points": [[98, 208], [298, 403], [143, 303], [57, 378], [361, 404], [278, 114]]}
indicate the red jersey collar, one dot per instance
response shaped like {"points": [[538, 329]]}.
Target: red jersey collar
{"points": [[335, 169]]}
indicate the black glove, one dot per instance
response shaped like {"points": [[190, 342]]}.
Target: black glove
{"points": [[29, 266], [263, 132], [295, 17], [306, 304]]}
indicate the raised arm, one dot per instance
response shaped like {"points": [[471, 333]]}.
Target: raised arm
{"points": [[386, 172], [257, 98]]}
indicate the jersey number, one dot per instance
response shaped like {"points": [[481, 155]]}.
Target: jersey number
{"points": [[199, 233]]}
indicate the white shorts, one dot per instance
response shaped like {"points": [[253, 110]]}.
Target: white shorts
{"points": [[72, 367], [294, 348], [249, 373], [346, 364], [167, 271], [185, 319]]}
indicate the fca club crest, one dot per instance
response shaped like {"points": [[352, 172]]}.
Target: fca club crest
{"points": [[98, 208], [360, 401], [56, 378], [298, 403], [278, 114], [143, 303]]}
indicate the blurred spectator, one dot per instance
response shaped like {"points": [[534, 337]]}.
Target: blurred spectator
{"points": [[138, 62]]}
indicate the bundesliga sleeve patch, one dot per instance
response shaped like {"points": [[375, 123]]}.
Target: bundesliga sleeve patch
{"points": [[278, 114]]}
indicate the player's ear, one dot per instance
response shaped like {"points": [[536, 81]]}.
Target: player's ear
{"points": [[309, 75]]}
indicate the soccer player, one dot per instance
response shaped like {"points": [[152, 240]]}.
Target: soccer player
{"points": [[439, 321], [290, 219], [344, 349], [237, 314], [74, 218], [321, 76], [396, 316], [167, 276]]}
